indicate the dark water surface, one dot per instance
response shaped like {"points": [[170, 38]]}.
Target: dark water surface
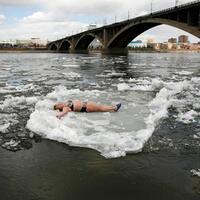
{"points": [[54, 171], [150, 149]]}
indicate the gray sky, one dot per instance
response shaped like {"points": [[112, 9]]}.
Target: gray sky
{"points": [[52, 19]]}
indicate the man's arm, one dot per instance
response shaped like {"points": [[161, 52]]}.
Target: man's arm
{"points": [[63, 113]]}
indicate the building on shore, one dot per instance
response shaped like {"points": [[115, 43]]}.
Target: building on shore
{"points": [[195, 46], [37, 42], [29, 43], [172, 40], [7, 43], [137, 44], [151, 41], [91, 26], [166, 46], [184, 39], [172, 44]]}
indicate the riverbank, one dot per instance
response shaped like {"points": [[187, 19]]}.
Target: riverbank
{"points": [[99, 51], [151, 51], [24, 50]]}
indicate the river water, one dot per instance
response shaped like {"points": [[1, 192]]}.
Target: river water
{"points": [[160, 96]]}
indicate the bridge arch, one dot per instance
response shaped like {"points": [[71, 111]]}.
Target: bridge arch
{"points": [[64, 46], [131, 31], [85, 40], [53, 47]]}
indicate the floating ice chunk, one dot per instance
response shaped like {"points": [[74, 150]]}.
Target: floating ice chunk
{"points": [[196, 136], [132, 80], [157, 84], [61, 93], [15, 101], [142, 85], [195, 172], [19, 88], [72, 75], [12, 143], [83, 130], [71, 65], [4, 127], [111, 74], [183, 72], [123, 87], [2, 91], [187, 117], [31, 100]]}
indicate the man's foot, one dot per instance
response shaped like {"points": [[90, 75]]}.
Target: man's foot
{"points": [[118, 106]]}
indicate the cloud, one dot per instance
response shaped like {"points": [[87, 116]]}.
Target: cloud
{"points": [[96, 7], [108, 7], [41, 17], [86, 7], [50, 25], [17, 2], [2, 19], [43, 25]]}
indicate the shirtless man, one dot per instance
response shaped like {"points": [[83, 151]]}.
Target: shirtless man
{"points": [[79, 106]]}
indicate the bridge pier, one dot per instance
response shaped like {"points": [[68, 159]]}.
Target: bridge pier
{"points": [[115, 51], [189, 18], [199, 18], [63, 51], [52, 50], [105, 37], [79, 51]]}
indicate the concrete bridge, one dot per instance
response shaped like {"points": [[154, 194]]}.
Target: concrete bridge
{"points": [[115, 37]]}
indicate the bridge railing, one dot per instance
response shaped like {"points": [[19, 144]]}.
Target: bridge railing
{"points": [[179, 6]]}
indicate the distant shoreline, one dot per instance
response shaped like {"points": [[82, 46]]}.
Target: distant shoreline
{"points": [[44, 50], [24, 50], [152, 51], [166, 51]]}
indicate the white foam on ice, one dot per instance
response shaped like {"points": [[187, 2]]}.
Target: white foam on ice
{"points": [[72, 75]]}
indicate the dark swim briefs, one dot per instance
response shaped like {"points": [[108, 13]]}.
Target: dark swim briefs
{"points": [[84, 108]]}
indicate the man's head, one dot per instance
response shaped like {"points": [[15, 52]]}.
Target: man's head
{"points": [[58, 106]]}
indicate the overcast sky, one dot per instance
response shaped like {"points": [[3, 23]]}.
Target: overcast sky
{"points": [[53, 19]]}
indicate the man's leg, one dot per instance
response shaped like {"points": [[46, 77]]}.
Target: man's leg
{"points": [[93, 107]]}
